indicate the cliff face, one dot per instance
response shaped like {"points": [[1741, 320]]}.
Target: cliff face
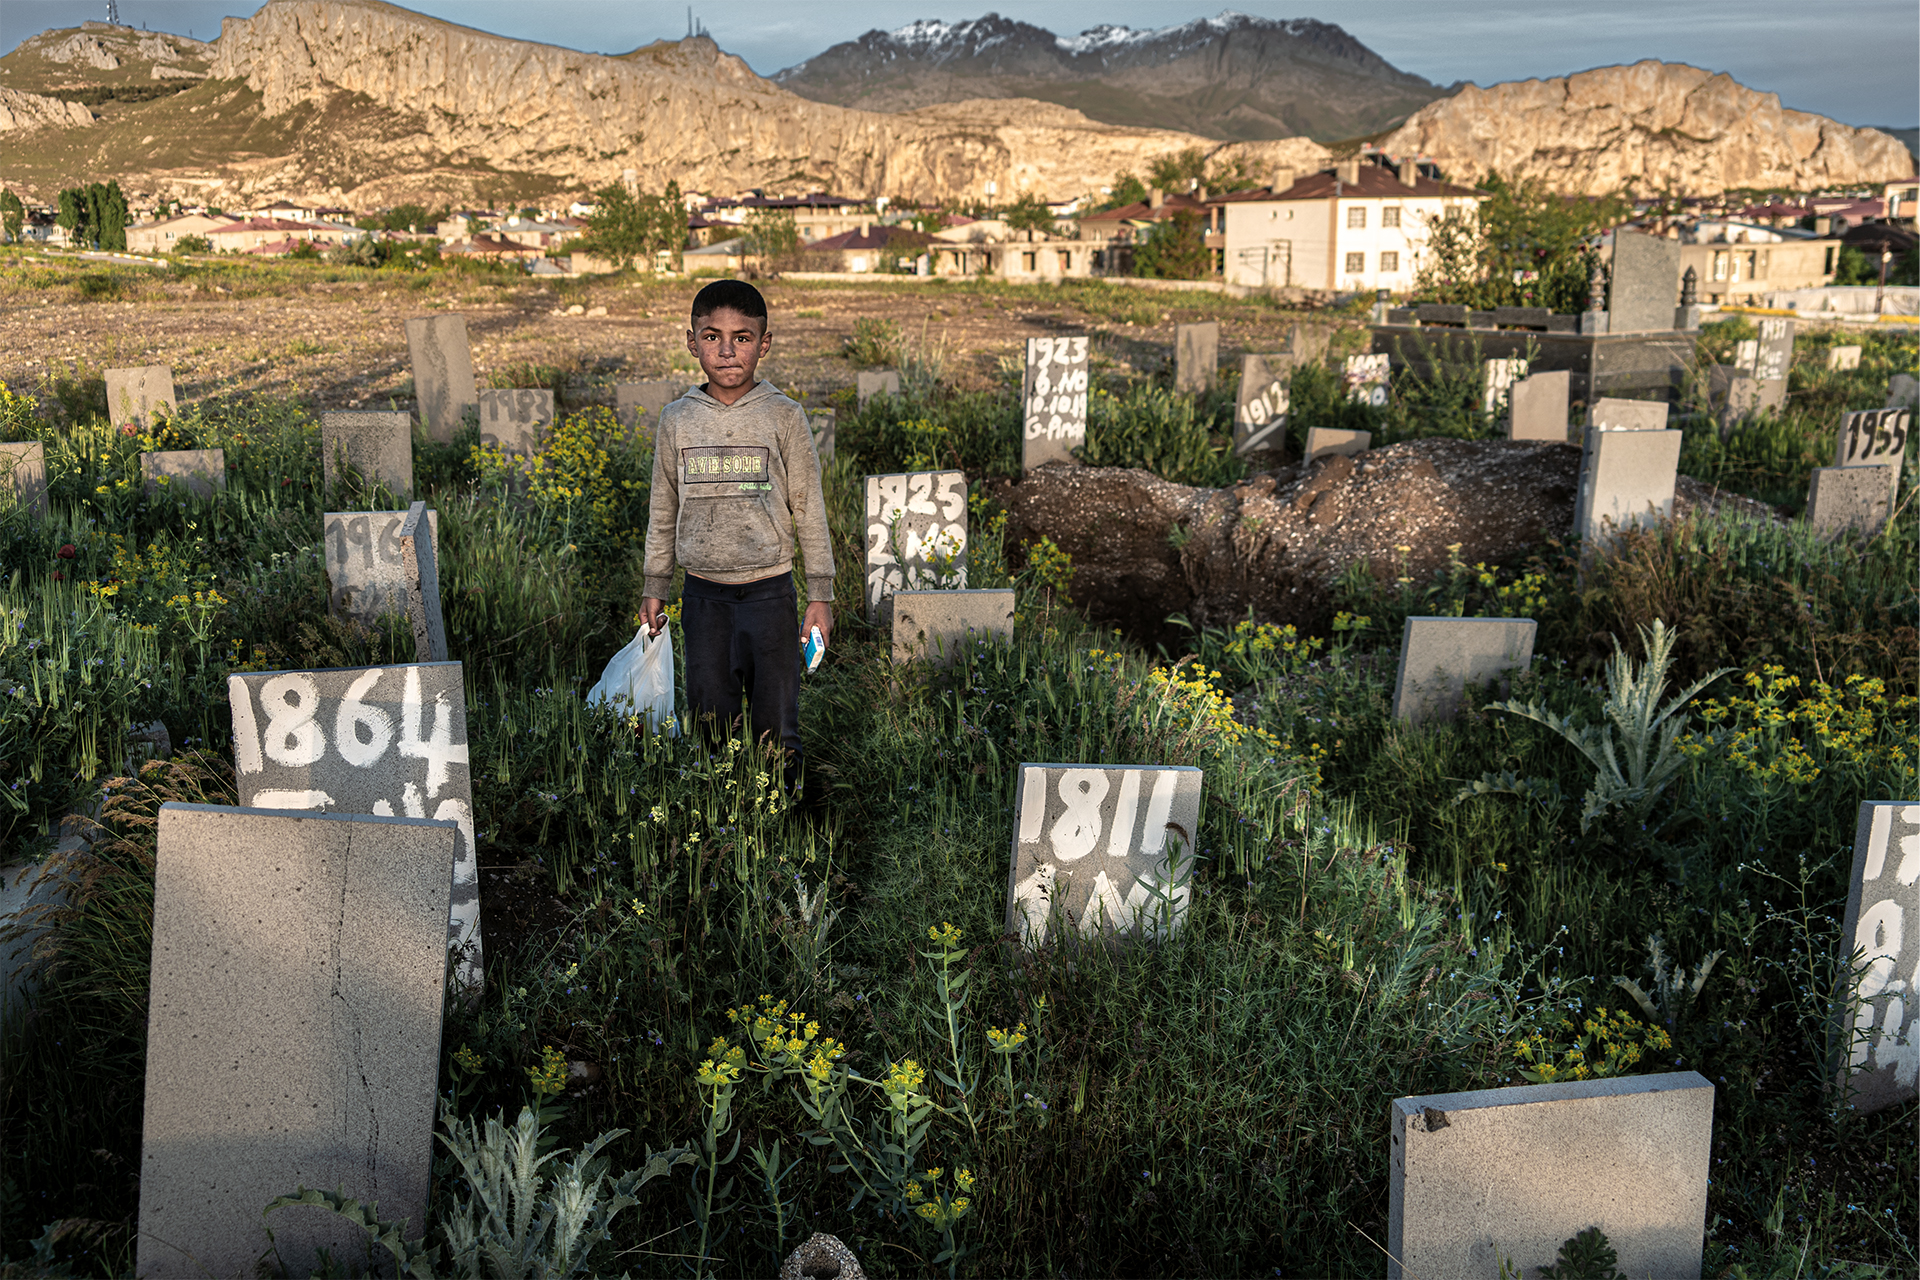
{"points": [[1652, 126], [681, 110], [20, 111]]}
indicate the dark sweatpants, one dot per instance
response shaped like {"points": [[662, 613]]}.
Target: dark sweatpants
{"points": [[745, 639]]}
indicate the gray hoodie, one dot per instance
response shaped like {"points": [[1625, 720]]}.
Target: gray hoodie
{"points": [[733, 486]]}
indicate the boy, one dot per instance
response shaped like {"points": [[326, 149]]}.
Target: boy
{"points": [[735, 483]]}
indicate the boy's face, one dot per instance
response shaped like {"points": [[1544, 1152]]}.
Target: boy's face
{"points": [[728, 346]]}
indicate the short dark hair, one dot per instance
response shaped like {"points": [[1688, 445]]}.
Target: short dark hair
{"points": [[734, 295]]}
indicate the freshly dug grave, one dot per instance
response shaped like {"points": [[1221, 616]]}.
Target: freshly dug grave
{"points": [[1144, 548]]}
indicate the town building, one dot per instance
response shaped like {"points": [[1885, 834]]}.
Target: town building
{"points": [[162, 236], [818, 215], [868, 248], [1359, 226]]}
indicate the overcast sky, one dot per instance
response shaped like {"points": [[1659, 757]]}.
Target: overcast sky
{"points": [[1858, 62]]}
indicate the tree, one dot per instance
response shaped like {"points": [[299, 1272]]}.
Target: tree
{"points": [[626, 226], [1174, 249], [13, 215], [1524, 246], [193, 244], [1029, 214], [1127, 190], [1179, 170], [773, 237]]}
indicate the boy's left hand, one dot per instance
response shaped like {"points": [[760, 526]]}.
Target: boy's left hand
{"points": [[821, 616]]}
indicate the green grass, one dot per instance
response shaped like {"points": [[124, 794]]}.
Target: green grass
{"points": [[1214, 1104]]}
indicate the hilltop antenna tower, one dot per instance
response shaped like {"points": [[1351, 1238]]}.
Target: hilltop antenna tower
{"points": [[113, 13]]}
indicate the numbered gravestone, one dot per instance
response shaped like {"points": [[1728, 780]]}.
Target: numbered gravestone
{"points": [[1872, 438], [1054, 394], [299, 967], [388, 741], [366, 565], [916, 535], [1100, 849], [822, 422], [876, 382], [1260, 414], [1843, 357], [1366, 379], [420, 574], [1324, 442], [136, 397], [1770, 356], [634, 400], [1196, 356], [24, 464], [513, 420], [442, 372], [378, 445], [1882, 1015], [1496, 395], [198, 473], [1539, 407]]}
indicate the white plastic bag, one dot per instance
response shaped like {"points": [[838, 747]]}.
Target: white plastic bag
{"points": [[639, 681]]}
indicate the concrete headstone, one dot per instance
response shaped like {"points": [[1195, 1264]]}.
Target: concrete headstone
{"points": [[24, 464], [1843, 357], [377, 444], [515, 419], [1734, 392], [420, 575], [1903, 391], [1626, 478], [1484, 1176], [1645, 286], [1540, 403], [1439, 657], [194, 472], [1848, 499], [1774, 354], [1366, 379], [876, 382], [916, 534], [934, 625], [1322, 441], [1102, 848], [442, 372], [1054, 393], [1497, 387], [371, 740], [136, 396], [1609, 414], [1307, 343], [293, 1032], [822, 423], [1196, 356], [1260, 413], [1882, 923], [634, 400], [366, 565]]}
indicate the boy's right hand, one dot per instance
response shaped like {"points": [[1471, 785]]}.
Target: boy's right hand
{"points": [[653, 616]]}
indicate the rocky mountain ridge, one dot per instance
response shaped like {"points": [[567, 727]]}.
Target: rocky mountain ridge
{"points": [[1650, 127], [1231, 76]]}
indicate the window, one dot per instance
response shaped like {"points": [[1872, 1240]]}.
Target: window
{"points": [[1719, 264], [1356, 217], [1390, 216], [1030, 261], [1389, 262], [1356, 263], [1066, 261]]}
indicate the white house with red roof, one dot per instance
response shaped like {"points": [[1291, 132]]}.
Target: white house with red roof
{"points": [[1358, 226]]}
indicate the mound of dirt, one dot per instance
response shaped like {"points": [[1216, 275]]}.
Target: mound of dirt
{"points": [[1144, 548]]}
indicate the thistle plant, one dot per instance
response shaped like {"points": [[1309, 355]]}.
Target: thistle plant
{"points": [[513, 1220], [1631, 776]]}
